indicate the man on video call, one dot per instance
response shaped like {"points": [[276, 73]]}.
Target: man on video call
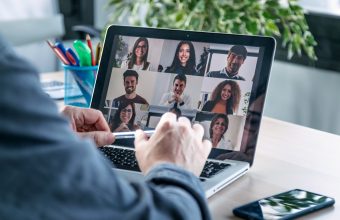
{"points": [[177, 98], [130, 78], [235, 58], [49, 172]]}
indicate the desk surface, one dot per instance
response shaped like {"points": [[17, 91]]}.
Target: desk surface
{"points": [[288, 156]]}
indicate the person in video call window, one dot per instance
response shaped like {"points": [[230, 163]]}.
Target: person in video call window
{"points": [[124, 118], [184, 61], [137, 59], [176, 98], [218, 127], [235, 58], [224, 99], [250, 133], [130, 78]]}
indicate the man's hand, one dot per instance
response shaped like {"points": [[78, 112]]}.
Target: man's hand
{"points": [[173, 142], [89, 123]]}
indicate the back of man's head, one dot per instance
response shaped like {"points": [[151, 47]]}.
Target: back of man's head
{"points": [[180, 77], [239, 50], [130, 73]]}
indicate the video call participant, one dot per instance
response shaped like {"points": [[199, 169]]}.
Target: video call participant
{"points": [[176, 98], [130, 78], [224, 99], [235, 58], [137, 59], [218, 127], [184, 61], [251, 129], [124, 118]]}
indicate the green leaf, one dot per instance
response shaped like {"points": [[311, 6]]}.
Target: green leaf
{"points": [[297, 43], [272, 3], [267, 17], [271, 27], [253, 27], [179, 16]]}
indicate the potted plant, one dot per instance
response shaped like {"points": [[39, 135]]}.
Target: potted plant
{"points": [[266, 17]]}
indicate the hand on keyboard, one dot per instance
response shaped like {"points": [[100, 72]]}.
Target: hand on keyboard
{"points": [[173, 142]]}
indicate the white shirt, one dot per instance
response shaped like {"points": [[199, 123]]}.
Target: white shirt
{"points": [[135, 67], [224, 144], [168, 96]]}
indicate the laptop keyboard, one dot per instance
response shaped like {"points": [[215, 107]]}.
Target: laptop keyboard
{"points": [[125, 159], [121, 158]]}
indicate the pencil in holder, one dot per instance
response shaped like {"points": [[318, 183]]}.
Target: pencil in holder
{"points": [[79, 84]]}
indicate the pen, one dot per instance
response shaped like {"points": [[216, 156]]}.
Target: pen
{"points": [[98, 51], [61, 47], [130, 134], [58, 53], [89, 44], [72, 57], [84, 53]]}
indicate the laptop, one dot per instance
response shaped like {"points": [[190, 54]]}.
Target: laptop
{"points": [[217, 80]]}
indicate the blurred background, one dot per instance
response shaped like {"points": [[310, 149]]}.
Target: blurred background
{"points": [[302, 90]]}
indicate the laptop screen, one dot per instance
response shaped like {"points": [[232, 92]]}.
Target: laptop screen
{"points": [[210, 83]]}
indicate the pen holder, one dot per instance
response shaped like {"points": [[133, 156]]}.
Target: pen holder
{"points": [[79, 83]]}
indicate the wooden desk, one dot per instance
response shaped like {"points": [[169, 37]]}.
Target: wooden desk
{"points": [[288, 156]]}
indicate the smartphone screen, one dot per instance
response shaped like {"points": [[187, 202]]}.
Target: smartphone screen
{"points": [[286, 205]]}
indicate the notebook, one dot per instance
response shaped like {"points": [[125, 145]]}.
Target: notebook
{"points": [[217, 80]]}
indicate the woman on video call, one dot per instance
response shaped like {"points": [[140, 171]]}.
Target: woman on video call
{"points": [[124, 118], [184, 61], [137, 59], [224, 99], [218, 127]]}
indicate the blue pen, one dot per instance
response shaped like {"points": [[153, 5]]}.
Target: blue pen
{"points": [[61, 47], [72, 57]]}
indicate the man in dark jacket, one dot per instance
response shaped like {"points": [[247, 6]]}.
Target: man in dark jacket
{"points": [[49, 172], [235, 58]]}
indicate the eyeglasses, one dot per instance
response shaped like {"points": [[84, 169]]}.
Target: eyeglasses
{"points": [[140, 47], [220, 123], [127, 110]]}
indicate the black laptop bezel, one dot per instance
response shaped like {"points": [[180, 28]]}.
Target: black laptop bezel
{"points": [[261, 78]]}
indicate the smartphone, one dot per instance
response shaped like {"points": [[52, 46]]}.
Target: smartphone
{"points": [[287, 205]]}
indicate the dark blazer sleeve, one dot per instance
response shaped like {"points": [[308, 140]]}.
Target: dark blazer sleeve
{"points": [[47, 172], [167, 70], [208, 106]]}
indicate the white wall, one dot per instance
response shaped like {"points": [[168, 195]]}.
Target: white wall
{"points": [[304, 95], [37, 53]]}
